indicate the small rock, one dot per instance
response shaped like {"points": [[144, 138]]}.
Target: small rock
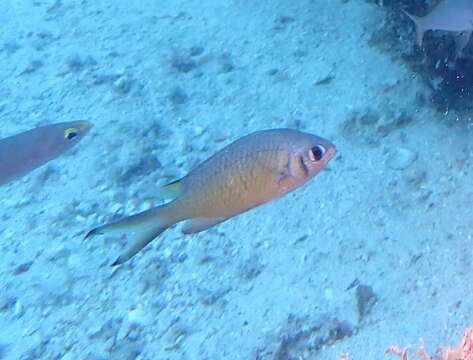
{"points": [[126, 350], [325, 75], [140, 167], [196, 50], [251, 268], [182, 63], [18, 310], [7, 301], [22, 268], [32, 67], [198, 130], [282, 21], [365, 300], [178, 96], [340, 329], [226, 63], [74, 63], [415, 177], [137, 317], [56, 287], [11, 47], [401, 158], [211, 296], [123, 84]]}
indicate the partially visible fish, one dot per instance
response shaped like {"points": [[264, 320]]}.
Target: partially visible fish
{"points": [[448, 15], [24, 152], [251, 171]]}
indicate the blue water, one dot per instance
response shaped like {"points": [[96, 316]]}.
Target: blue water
{"points": [[375, 251]]}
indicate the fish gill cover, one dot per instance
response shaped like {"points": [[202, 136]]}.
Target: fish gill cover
{"points": [[448, 74]]}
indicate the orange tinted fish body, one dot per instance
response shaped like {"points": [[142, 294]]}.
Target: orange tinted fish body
{"points": [[24, 152], [251, 171]]}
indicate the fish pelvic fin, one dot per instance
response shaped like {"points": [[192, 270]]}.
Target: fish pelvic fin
{"points": [[419, 27], [146, 226]]}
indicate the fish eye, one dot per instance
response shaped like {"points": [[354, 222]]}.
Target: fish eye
{"points": [[70, 133], [316, 153]]}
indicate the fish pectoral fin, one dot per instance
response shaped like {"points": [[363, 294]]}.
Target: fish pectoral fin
{"points": [[284, 180], [196, 225], [170, 191], [297, 168]]}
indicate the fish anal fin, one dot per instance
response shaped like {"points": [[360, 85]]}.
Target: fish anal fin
{"points": [[295, 169], [196, 225]]}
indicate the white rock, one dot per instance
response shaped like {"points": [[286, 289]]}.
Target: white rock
{"points": [[401, 158]]}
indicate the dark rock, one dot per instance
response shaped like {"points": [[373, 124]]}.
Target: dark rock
{"points": [[144, 166], [178, 96], [303, 337], [370, 126], [32, 67], [282, 21], [365, 300], [209, 296], [74, 63], [126, 350], [11, 47], [196, 51], [182, 63], [251, 268], [22, 268], [226, 63]]}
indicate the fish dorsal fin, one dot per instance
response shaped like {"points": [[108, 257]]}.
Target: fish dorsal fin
{"points": [[170, 191]]}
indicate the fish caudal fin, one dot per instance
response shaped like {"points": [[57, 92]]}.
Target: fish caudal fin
{"points": [[170, 191], [419, 27], [146, 226]]}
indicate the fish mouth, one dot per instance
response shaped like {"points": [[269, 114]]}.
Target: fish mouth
{"points": [[330, 152], [84, 126]]}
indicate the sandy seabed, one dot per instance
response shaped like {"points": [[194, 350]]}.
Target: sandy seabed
{"points": [[375, 251]]}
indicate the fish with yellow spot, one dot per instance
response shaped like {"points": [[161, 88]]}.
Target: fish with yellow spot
{"points": [[26, 151], [251, 171]]}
